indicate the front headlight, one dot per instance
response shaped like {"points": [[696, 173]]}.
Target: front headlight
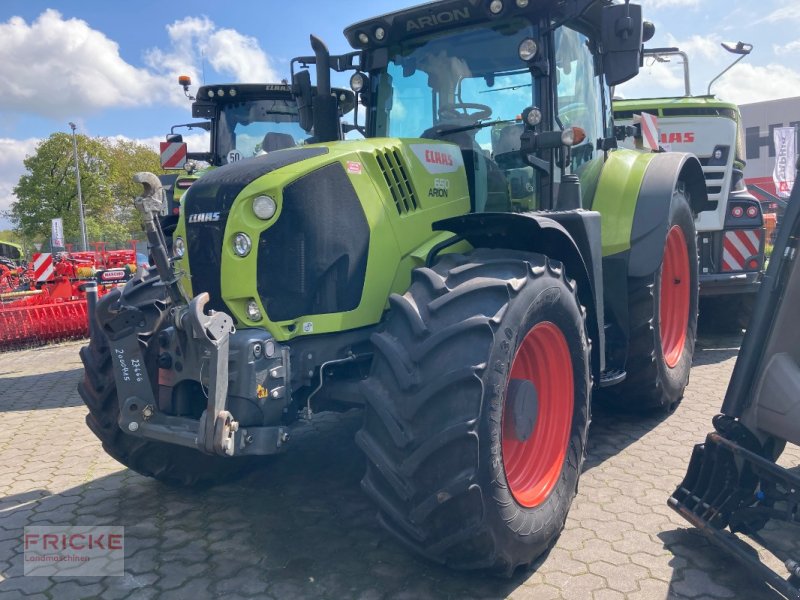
{"points": [[178, 247], [264, 207], [253, 312], [242, 244]]}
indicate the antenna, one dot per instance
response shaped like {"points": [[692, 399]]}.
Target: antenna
{"points": [[740, 48]]}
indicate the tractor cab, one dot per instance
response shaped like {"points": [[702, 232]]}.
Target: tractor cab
{"points": [[517, 88]]}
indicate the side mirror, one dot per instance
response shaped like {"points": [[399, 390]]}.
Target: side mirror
{"points": [[622, 37], [740, 48], [301, 87]]}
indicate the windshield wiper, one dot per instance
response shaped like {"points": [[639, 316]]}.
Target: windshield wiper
{"points": [[510, 87], [479, 125]]}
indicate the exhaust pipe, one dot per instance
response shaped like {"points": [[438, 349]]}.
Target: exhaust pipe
{"points": [[326, 107], [323, 66]]}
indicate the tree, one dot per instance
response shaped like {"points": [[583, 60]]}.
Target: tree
{"points": [[48, 188]]}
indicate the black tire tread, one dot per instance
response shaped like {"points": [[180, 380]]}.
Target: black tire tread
{"points": [[407, 426]]}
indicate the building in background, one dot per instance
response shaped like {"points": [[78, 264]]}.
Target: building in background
{"points": [[761, 119]]}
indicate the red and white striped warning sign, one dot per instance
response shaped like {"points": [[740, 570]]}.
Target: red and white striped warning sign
{"points": [[173, 155], [43, 266], [650, 135], [738, 248]]}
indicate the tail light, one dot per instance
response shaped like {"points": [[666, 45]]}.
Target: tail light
{"points": [[752, 212], [737, 212]]}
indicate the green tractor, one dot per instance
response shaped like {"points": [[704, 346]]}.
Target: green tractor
{"points": [[243, 120], [469, 273]]}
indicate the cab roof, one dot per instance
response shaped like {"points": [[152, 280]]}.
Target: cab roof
{"points": [[441, 15]]}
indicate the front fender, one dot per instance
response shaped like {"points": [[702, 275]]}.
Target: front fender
{"points": [[572, 237]]}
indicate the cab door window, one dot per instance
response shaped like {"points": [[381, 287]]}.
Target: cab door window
{"points": [[579, 103]]}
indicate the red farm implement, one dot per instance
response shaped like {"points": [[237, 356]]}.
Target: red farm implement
{"points": [[46, 302]]}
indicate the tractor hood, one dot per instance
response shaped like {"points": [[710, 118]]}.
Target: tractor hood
{"points": [[348, 218], [207, 205]]}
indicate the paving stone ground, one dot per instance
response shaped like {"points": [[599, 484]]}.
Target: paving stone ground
{"points": [[300, 527]]}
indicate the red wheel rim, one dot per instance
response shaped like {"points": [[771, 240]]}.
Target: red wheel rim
{"points": [[674, 302], [533, 466]]}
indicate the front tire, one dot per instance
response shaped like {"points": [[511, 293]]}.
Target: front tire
{"points": [[475, 435]]}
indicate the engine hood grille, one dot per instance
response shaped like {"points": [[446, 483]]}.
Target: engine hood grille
{"points": [[207, 204]]}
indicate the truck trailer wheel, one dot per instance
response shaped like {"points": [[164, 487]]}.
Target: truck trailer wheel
{"points": [[477, 410], [171, 464], [663, 321]]}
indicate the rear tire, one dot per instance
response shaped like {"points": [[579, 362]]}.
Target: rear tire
{"points": [[438, 432], [663, 321], [171, 464]]}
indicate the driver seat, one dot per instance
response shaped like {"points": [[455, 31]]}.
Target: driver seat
{"points": [[488, 187], [277, 141]]}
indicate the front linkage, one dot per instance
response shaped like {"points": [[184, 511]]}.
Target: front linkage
{"points": [[151, 326], [730, 492]]}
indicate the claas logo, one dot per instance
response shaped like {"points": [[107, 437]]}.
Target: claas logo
{"points": [[677, 138]]}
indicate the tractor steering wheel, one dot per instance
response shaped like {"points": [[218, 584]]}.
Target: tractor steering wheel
{"points": [[460, 111]]}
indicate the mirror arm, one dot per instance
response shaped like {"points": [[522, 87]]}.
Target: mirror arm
{"points": [[733, 64]]}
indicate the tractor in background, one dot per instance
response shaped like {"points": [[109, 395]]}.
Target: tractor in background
{"points": [[469, 274], [243, 120], [732, 237]]}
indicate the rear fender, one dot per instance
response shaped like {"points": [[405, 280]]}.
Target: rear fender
{"points": [[572, 237], [665, 173]]}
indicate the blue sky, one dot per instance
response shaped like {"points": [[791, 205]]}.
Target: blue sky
{"points": [[110, 66]]}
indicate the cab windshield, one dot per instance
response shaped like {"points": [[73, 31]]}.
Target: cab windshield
{"points": [[431, 81], [468, 87], [256, 127]]}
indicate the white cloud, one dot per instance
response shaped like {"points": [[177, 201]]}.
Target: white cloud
{"points": [[748, 83], [785, 13], [700, 48], [12, 153], [229, 53], [787, 48], [60, 68], [53, 66]]}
